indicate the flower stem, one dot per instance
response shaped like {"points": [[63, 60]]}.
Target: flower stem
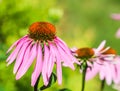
{"points": [[36, 84], [83, 76], [102, 85]]}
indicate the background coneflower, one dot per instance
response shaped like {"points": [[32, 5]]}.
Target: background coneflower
{"points": [[107, 65]]}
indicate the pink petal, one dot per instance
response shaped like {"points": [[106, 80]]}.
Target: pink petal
{"points": [[61, 41], [38, 66], [114, 71], [13, 55], [58, 63], [117, 72], [61, 44], [16, 43], [117, 69], [51, 62], [108, 74], [45, 65], [59, 70], [91, 72], [20, 56], [50, 66], [101, 46], [26, 57], [23, 70], [66, 59], [102, 73]]}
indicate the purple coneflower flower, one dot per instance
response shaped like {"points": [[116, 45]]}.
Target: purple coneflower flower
{"points": [[42, 45], [107, 65], [85, 57]]}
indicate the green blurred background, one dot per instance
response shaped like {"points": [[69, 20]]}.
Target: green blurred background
{"points": [[80, 23]]}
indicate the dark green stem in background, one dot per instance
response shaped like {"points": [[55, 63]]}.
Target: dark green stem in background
{"points": [[83, 76], [102, 85], [36, 84]]}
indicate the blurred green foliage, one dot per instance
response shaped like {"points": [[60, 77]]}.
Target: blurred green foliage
{"points": [[80, 23]]}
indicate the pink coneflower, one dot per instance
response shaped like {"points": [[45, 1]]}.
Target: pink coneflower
{"points": [[102, 60], [89, 55], [42, 45], [85, 57], [107, 65]]}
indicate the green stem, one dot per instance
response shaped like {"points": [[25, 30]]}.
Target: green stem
{"points": [[36, 84], [102, 85], [83, 76]]}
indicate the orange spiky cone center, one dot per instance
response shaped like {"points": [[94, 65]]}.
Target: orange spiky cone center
{"points": [[85, 52], [42, 31]]}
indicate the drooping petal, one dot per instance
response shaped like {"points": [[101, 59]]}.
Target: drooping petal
{"points": [[38, 66], [108, 74], [51, 62], [59, 70], [117, 73], [58, 64], [20, 56], [51, 65], [102, 73], [13, 55], [23, 70], [65, 58], [114, 72], [62, 44], [26, 57], [16, 43], [92, 71], [45, 65]]}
